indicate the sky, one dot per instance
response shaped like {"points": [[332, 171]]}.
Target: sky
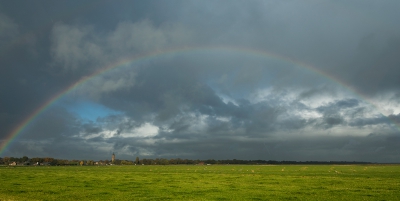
{"points": [[269, 80]]}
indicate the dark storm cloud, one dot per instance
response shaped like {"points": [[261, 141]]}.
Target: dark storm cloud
{"points": [[369, 121], [58, 123], [206, 104], [317, 91], [178, 92], [90, 128], [332, 112], [338, 105], [377, 64], [332, 120], [395, 118], [329, 148], [9, 29]]}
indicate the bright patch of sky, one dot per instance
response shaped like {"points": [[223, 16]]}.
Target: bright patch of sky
{"points": [[90, 111]]}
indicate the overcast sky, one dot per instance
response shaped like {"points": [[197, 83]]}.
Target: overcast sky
{"points": [[271, 80]]}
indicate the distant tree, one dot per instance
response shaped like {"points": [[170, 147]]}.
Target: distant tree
{"points": [[125, 162], [210, 161], [12, 159], [25, 158], [6, 160], [48, 159], [54, 162], [117, 162], [35, 160], [164, 162], [146, 161], [137, 160], [61, 162], [81, 163], [73, 162]]}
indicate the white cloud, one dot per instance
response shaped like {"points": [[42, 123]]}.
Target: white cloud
{"points": [[227, 99], [145, 130], [387, 103], [223, 119]]}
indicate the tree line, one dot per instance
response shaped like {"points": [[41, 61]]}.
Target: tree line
{"points": [[157, 161]]}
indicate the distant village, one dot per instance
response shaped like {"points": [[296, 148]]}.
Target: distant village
{"points": [[47, 161]]}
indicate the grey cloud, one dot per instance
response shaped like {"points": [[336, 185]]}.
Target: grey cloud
{"points": [[358, 112], [336, 31], [349, 103], [352, 144], [368, 121], [393, 120], [322, 148], [379, 149], [145, 37], [180, 126], [117, 122], [57, 123], [393, 139], [9, 30], [339, 105], [295, 124], [331, 120], [90, 128], [331, 112], [76, 47], [375, 64], [317, 91]]}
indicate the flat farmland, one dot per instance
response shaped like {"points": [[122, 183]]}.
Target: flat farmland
{"points": [[198, 182]]}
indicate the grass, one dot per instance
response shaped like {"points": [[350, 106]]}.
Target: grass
{"points": [[187, 182]]}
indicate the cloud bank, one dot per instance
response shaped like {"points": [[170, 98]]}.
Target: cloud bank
{"points": [[255, 80]]}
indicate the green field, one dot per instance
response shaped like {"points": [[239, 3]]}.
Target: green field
{"points": [[195, 182]]}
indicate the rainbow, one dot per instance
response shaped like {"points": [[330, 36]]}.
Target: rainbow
{"points": [[155, 55]]}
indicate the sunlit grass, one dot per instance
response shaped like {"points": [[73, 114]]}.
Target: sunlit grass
{"points": [[189, 182]]}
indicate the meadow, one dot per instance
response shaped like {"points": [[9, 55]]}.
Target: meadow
{"points": [[201, 182]]}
